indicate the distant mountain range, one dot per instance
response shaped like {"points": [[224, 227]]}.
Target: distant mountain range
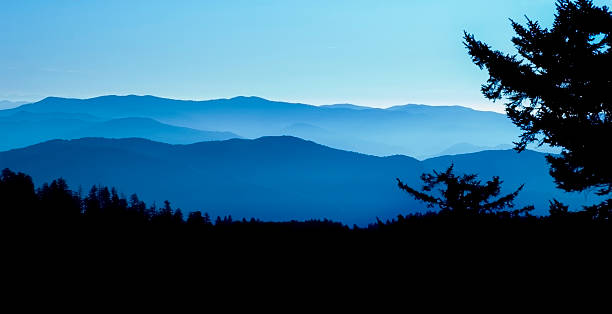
{"points": [[272, 178], [5, 104], [465, 148], [346, 106], [24, 128], [415, 130]]}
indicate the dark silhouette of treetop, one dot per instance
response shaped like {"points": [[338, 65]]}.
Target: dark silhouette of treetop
{"points": [[464, 194], [559, 90]]}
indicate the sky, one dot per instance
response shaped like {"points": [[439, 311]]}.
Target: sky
{"points": [[374, 53]]}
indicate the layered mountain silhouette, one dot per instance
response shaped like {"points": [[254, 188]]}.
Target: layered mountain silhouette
{"points": [[150, 129], [24, 128], [414, 130], [271, 178], [464, 148], [346, 106], [5, 104]]}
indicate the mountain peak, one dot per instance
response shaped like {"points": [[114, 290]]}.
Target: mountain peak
{"points": [[252, 98], [346, 106]]}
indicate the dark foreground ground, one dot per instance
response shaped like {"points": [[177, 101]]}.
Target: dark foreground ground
{"points": [[55, 241], [434, 261]]}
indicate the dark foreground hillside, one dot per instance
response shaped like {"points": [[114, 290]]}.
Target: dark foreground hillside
{"points": [[55, 222], [61, 247]]}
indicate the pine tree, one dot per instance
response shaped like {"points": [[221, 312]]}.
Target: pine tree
{"points": [[464, 195], [206, 219], [92, 202], [558, 90], [17, 195], [195, 218]]}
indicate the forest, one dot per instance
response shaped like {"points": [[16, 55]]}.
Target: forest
{"points": [[465, 208]]}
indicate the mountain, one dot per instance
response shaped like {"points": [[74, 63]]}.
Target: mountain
{"points": [[5, 104], [21, 129], [465, 148], [24, 128], [334, 139], [415, 130], [346, 106], [272, 178], [424, 108], [19, 115], [149, 129]]}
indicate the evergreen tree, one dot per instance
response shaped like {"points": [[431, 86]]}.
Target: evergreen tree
{"points": [[558, 209], [137, 206], [195, 218], [206, 219], [17, 194], [59, 201], [166, 211], [558, 89], [152, 211], [177, 216], [104, 197], [464, 195], [92, 202]]}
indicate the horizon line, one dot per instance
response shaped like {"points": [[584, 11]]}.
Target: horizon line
{"points": [[366, 107]]}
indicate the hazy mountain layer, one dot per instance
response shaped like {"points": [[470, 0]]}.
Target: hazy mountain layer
{"points": [[415, 130], [5, 104], [272, 178], [23, 128]]}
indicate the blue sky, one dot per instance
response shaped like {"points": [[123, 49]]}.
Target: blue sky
{"points": [[377, 53]]}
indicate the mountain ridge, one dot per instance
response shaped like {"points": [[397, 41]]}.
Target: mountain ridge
{"points": [[24, 128], [415, 130], [54, 99], [272, 178]]}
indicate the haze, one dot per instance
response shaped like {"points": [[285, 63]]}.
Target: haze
{"points": [[319, 52]]}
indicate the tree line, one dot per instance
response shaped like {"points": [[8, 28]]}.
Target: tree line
{"points": [[56, 204], [463, 201]]}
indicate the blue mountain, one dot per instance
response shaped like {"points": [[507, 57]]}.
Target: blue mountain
{"points": [[5, 104], [149, 129], [24, 128], [415, 130], [465, 148], [272, 178], [346, 106]]}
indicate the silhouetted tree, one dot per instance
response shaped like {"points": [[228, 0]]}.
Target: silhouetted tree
{"points": [[166, 216], [104, 197], [17, 194], [206, 219], [166, 211], [105, 217], [138, 206], [559, 92], [177, 216], [58, 201], [195, 218], [464, 195], [117, 203], [152, 211], [92, 202], [558, 209]]}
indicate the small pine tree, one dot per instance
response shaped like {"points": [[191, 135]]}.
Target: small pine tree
{"points": [[464, 195], [206, 219]]}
